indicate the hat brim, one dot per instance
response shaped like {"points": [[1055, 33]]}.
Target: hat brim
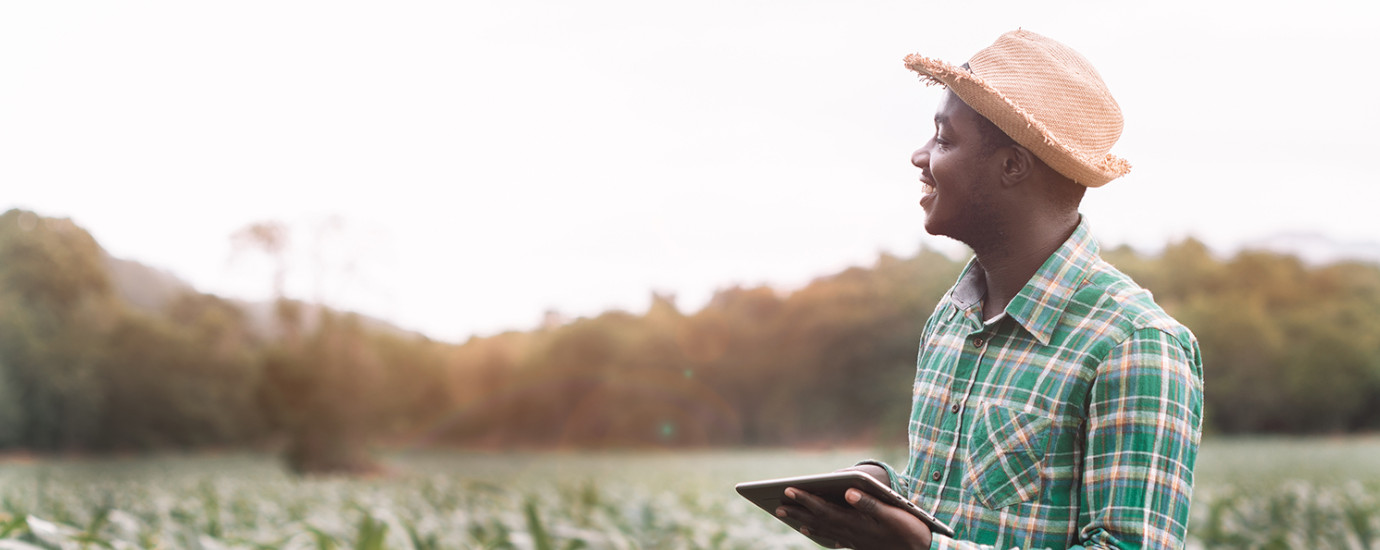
{"points": [[1087, 170]]}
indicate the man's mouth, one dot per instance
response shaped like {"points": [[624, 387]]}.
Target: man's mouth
{"points": [[925, 186], [927, 194]]}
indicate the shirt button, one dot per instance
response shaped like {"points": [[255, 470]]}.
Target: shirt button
{"points": [[977, 341], [955, 408], [938, 473]]}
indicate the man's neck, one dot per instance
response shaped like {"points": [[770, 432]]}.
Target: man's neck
{"points": [[1009, 265]]}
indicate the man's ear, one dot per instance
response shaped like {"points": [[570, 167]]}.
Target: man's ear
{"points": [[1017, 165]]}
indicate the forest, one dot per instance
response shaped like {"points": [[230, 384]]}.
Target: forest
{"points": [[88, 364]]}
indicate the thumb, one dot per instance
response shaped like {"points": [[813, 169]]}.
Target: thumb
{"points": [[869, 505], [900, 523]]}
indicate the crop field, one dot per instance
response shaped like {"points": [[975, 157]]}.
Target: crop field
{"points": [[1251, 493]]}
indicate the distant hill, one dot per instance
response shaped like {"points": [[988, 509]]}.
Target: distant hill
{"points": [[1318, 249], [152, 290], [260, 316], [144, 287]]}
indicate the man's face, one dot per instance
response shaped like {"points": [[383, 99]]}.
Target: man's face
{"points": [[958, 173]]}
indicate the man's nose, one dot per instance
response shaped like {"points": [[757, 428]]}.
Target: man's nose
{"points": [[921, 157]]}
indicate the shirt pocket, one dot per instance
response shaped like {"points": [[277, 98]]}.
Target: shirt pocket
{"points": [[1005, 454]]}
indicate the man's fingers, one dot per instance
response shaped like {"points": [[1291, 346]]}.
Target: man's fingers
{"points": [[797, 506], [807, 500], [861, 501], [817, 517]]}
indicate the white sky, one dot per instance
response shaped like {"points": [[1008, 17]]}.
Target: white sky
{"points": [[483, 161]]}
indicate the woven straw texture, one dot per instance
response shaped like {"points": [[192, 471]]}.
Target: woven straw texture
{"points": [[1045, 96]]}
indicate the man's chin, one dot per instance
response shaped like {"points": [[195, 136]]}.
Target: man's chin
{"points": [[939, 230], [934, 228]]}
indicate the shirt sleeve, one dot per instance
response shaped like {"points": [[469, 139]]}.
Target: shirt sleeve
{"points": [[1144, 427], [1143, 430], [899, 483]]}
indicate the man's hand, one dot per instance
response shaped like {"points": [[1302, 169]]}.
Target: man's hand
{"points": [[866, 524]]}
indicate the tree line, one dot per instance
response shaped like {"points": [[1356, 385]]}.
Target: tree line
{"points": [[1287, 347]]}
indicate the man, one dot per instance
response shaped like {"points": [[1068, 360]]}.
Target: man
{"points": [[1055, 404]]}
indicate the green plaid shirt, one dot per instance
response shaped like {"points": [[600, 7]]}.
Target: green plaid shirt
{"points": [[1071, 420]]}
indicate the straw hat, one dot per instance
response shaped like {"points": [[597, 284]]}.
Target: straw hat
{"points": [[1045, 96]]}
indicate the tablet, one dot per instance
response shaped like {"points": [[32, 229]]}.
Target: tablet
{"points": [[768, 494]]}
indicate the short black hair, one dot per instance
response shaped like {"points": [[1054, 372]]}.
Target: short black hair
{"points": [[992, 136]]}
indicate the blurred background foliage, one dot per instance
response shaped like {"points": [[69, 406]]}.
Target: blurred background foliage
{"points": [[102, 354]]}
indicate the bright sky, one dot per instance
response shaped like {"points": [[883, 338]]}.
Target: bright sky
{"points": [[460, 167]]}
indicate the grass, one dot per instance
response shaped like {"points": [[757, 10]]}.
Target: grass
{"points": [[1251, 493], [1282, 493]]}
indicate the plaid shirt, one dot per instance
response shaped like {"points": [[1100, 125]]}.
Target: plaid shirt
{"points": [[1071, 420]]}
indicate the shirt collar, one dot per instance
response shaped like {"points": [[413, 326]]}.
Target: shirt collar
{"points": [[1040, 304]]}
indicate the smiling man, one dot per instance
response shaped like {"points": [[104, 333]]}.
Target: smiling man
{"points": [[1055, 404]]}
